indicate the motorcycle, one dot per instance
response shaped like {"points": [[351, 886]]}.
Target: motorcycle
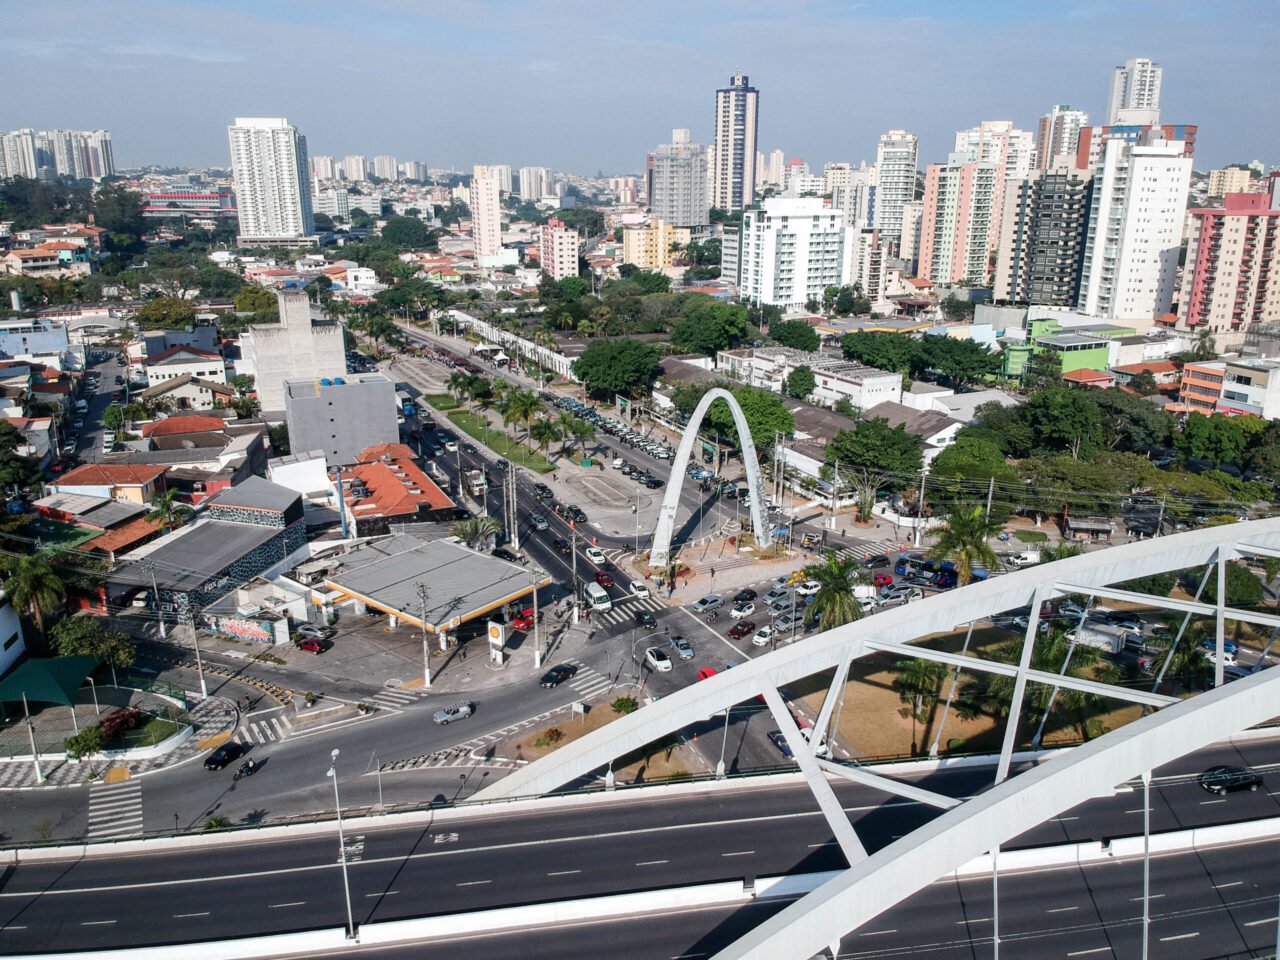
{"points": [[247, 769]]}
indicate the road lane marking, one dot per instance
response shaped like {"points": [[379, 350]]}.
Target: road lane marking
{"points": [[473, 883], [651, 863], [1062, 909], [961, 923], [183, 916], [563, 873], [878, 933], [1136, 810], [1065, 819], [1085, 953], [11, 927], [389, 893], [295, 903], [1251, 923], [1224, 886], [1154, 896], [1205, 803], [96, 923], [738, 853], [1181, 936]]}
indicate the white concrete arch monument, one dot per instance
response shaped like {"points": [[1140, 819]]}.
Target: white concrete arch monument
{"points": [[661, 552]]}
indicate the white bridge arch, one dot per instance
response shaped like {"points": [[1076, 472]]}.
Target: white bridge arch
{"points": [[872, 884], [660, 554]]}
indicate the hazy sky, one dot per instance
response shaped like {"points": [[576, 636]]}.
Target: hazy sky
{"points": [[587, 86]]}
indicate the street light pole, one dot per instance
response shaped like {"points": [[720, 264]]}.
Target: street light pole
{"points": [[342, 844], [423, 592]]}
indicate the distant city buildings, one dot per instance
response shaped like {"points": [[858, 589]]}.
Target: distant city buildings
{"points": [[678, 190], [1058, 135], [355, 168], [558, 250], [652, 247], [535, 183], [896, 167], [1135, 92], [486, 212], [323, 168], [272, 182], [385, 167], [502, 172], [852, 190], [1230, 180], [46, 154], [733, 167], [999, 143]]}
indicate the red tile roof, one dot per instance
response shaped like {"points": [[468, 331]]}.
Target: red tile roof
{"points": [[111, 474], [385, 451], [126, 535], [1089, 377], [175, 425], [1153, 367], [393, 488]]}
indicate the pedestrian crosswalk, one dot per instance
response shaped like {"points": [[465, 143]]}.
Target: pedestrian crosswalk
{"points": [[115, 810], [391, 698], [624, 610], [863, 549], [587, 682], [265, 729]]}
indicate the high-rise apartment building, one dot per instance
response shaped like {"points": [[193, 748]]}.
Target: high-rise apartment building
{"points": [[896, 158], [1041, 249], [503, 172], [909, 239], [355, 168], [999, 143], [535, 183], [868, 255], [1135, 230], [1135, 86], [558, 250], [1230, 180], [273, 182], [962, 200], [323, 168], [1058, 134], [678, 191], [385, 167], [486, 213], [650, 247], [413, 170], [777, 168], [1094, 140], [851, 190], [46, 154], [734, 174], [1230, 280], [790, 250]]}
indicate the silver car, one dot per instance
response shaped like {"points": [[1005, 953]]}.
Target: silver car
{"points": [[454, 711], [710, 602]]}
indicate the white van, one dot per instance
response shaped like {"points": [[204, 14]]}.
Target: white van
{"points": [[598, 598]]}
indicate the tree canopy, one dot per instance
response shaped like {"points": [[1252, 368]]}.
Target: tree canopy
{"points": [[796, 334], [800, 382], [763, 410], [874, 445], [165, 313], [408, 232], [617, 366], [710, 326]]}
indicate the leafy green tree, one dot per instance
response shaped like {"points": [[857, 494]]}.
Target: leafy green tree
{"points": [[543, 433], [1244, 588], [1044, 370], [969, 465], [875, 445], [963, 540], [408, 232], [850, 302], [216, 282], [710, 326], [86, 743], [242, 383], [834, 604], [118, 210], [844, 406], [113, 418], [477, 530], [165, 313], [87, 636], [17, 472], [33, 587], [1064, 420], [252, 298], [650, 282], [1218, 438], [884, 351], [796, 334], [168, 511], [279, 437], [961, 362], [956, 310], [622, 366], [1131, 423], [918, 684], [800, 382]]}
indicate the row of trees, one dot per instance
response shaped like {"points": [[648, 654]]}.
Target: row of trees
{"points": [[961, 363], [522, 408]]}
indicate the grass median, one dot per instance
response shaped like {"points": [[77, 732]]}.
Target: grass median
{"points": [[499, 442]]}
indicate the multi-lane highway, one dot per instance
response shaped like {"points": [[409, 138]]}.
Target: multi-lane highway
{"points": [[510, 856]]}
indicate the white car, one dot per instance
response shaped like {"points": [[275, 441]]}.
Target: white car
{"points": [[639, 589], [762, 637], [618, 463], [868, 604], [658, 659], [742, 609], [595, 555], [809, 588], [451, 446]]}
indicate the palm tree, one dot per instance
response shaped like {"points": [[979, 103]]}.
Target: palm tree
{"points": [[584, 431], [33, 587], [523, 406], [834, 604], [167, 511], [459, 384], [477, 530], [544, 431], [565, 422], [963, 540], [919, 681]]}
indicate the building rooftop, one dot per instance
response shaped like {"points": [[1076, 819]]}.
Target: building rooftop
{"points": [[922, 424], [110, 474], [100, 512], [190, 556], [461, 583], [312, 386], [1062, 340], [181, 354], [390, 487], [168, 386], [255, 493], [183, 424]]}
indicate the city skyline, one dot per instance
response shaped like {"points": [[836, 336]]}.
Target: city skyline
{"points": [[823, 70]]}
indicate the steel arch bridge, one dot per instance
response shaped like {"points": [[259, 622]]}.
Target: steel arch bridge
{"points": [[872, 884], [661, 552]]}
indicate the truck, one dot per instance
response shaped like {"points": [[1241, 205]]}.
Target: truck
{"points": [[405, 403], [1027, 558], [475, 482], [1103, 636]]}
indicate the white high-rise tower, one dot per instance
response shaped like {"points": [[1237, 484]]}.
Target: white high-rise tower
{"points": [[1135, 86], [896, 158], [273, 182], [734, 166]]}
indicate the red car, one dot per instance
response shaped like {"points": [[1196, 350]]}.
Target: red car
{"points": [[706, 673], [311, 645], [524, 621], [741, 629], [882, 580], [604, 579]]}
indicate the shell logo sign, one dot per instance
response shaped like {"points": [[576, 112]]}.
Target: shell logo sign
{"points": [[497, 634]]}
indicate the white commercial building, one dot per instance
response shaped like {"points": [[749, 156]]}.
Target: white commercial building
{"points": [[1135, 86], [1058, 134], [999, 143], [296, 348], [323, 168], [834, 377], [1135, 230], [791, 250], [733, 170], [273, 182], [896, 158], [486, 214], [777, 168], [678, 189]]}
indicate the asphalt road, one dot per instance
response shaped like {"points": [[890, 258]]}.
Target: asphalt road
{"points": [[630, 843]]}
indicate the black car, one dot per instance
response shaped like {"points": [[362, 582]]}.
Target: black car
{"points": [[562, 547], [542, 492], [653, 483], [742, 596], [557, 675], [1224, 780], [920, 580], [502, 553], [877, 561], [468, 448], [229, 752], [646, 619], [576, 515]]}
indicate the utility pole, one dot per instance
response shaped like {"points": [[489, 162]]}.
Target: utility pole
{"points": [[423, 592], [537, 644], [573, 552], [991, 492], [1160, 519], [924, 477], [155, 596]]}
